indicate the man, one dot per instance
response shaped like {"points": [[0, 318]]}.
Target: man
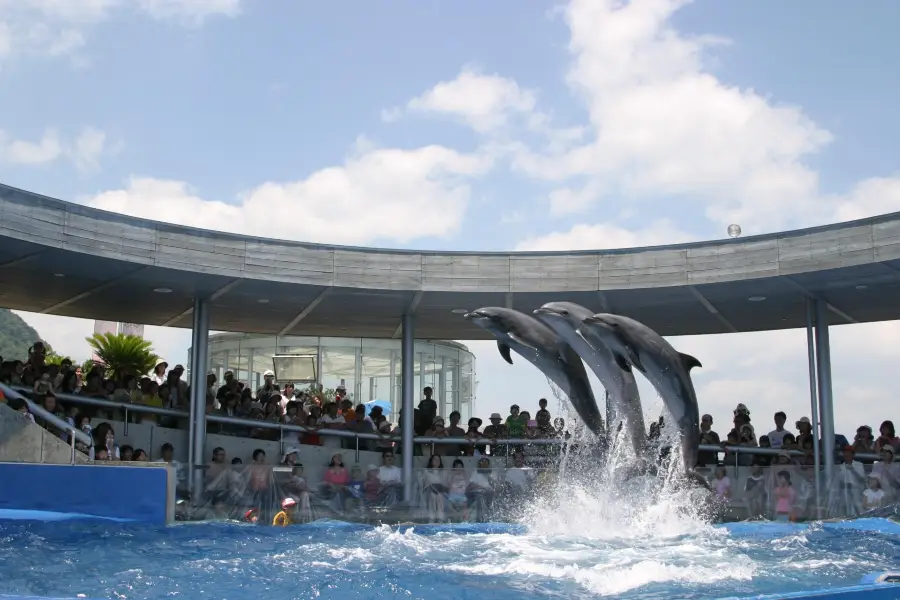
{"points": [[230, 385], [543, 415], [707, 436], [391, 478], [496, 430], [268, 388], [167, 453], [454, 430], [776, 436], [428, 410]]}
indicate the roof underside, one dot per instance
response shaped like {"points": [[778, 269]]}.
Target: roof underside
{"points": [[69, 260]]}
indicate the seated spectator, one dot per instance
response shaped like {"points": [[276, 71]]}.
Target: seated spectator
{"points": [[496, 430], [531, 429], [386, 445], [763, 460], [456, 488], [789, 442], [437, 430], [845, 487], [335, 481], [331, 420], [312, 438], [873, 496], [391, 479], [21, 407], [434, 488], [454, 430], [371, 486], [480, 491], [473, 435], [105, 437], [887, 437], [140, 455], [708, 437], [167, 455], [127, 453], [804, 432], [519, 478], [864, 442], [888, 472]]}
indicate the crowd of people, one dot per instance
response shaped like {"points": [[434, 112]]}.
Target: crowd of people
{"points": [[775, 484]]}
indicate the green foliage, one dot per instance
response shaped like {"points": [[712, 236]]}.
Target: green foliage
{"points": [[327, 394], [16, 336], [123, 354], [52, 358]]}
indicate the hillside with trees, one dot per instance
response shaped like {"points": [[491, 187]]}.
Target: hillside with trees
{"points": [[16, 336]]}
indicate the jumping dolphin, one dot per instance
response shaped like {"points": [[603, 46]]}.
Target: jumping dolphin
{"points": [[635, 344], [565, 318], [540, 346]]}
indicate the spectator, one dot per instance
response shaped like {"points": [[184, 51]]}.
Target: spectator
{"points": [[755, 492], [776, 436], [332, 421], [268, 388], [437, 430], [543, 415], [785, 496], [286, 516], [864, 442], [887, 437], [312, 438], [105, 437], [434, 487], [428, 410], [391, 479], [473, 434], [709, 437], [335, 480], [873, 496], [515, 427], [804, 433], [454, 430], [159, 373]]}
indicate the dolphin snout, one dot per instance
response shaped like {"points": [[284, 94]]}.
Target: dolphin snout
{"points": [[548, 310], [475, 314], [592, 320]]}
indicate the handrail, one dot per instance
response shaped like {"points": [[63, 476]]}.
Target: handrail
{"points": [[75, 434], [213, 418]]}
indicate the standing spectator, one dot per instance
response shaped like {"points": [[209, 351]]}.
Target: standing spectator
{"points": [[269, 388], [428, 410], [776, 436], [707, 436], [804, 433], [888, 437], [332, 420]]}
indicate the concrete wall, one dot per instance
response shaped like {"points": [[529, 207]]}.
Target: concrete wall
{"points": [[143, 493], [24, 441]]}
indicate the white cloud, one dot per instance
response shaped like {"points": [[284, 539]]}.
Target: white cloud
{"points": [[190, 11], [85, 151], [607, 236], [377, 194], [56, 28], [22, 152]]}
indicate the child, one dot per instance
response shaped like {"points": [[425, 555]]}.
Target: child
{"points": [[755, 492], [371, 486], [784, 498], [286, 516], [874, 496], [43, 385], [722, 484], [355, 487]]}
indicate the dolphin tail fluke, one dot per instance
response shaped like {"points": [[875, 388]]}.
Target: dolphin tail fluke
{"points": [[689, 361], [504, 352]]}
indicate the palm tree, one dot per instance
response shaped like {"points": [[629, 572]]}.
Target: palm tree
{"points": [[123, 354]]}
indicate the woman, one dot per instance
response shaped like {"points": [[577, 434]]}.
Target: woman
{"points": [[105, 437], [480, 491], [888, 437], [437, 430], [159, 373], [474, 435], [335, 480], [456, 489], [149, 397], [434, 486], [312, 438]]}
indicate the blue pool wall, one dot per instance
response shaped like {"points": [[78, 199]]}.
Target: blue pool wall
{"points": [[144, 494]]}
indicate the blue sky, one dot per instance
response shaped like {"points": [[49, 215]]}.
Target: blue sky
{"points": [[472, 125]]}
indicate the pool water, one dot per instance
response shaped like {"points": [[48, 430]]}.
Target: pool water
{"points": [[330, 559]]}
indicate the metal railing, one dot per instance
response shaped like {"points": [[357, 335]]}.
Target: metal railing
{"points": [[340, 433], [75, 434]]}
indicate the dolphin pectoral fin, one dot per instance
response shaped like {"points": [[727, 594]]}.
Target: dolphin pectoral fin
{"points": [[635, 359], [623, 364], [520, 341], [689, 361], [504, 352]]}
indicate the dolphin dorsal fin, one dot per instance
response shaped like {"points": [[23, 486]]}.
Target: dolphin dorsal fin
{"points": [[504, 351], [689, 361]]}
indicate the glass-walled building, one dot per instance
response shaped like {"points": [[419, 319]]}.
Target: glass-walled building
{"points": [[368, 368]]}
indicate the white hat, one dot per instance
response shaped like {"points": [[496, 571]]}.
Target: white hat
{"points": [[805, 420], [372, 468], [268, 373], [289, 451], [288, 502], [496, 416]]}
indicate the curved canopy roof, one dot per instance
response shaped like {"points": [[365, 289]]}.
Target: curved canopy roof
{"points": [[67, 259]]}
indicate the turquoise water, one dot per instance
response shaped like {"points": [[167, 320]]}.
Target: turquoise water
{"points": [[548, 559]]}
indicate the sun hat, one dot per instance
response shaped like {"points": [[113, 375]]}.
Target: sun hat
{"points": [[495, 416]]}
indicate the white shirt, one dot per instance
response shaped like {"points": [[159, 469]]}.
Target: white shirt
{"points": [[776, 438], [180, 474], [331, 441], [480, 481], [873, 497], [390, 474], [518, 477], [852, 473]]}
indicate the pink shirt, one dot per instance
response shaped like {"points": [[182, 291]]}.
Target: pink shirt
{"points": [[785, 502], [342, 477], [722, 486]]}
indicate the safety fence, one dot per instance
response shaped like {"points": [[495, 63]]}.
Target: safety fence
{"points": [[456, 493]]}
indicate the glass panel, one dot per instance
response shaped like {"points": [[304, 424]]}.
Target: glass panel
{"points": [[376, 376], [339, 365]]}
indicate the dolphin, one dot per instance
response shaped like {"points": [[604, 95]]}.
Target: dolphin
{"points": [[635, 345], [565, 319], [540, 346]]}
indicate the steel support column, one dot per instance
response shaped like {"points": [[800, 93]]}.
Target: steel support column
{"points": [[814, 402], [823, 368], [441, 391], [407, 424], [199, 367]]}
